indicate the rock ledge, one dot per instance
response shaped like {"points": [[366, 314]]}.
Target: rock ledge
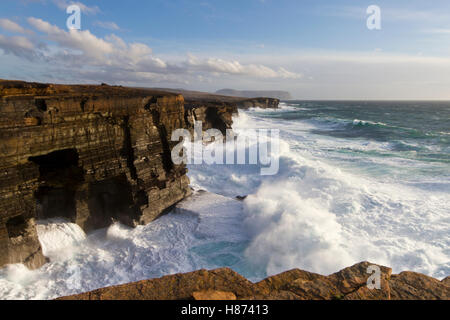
{"points": [[225, 284]]}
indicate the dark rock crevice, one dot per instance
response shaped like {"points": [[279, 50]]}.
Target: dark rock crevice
{"points": [[128, 151]]}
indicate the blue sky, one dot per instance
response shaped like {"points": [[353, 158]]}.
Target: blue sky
{"points": [[316, 49]]}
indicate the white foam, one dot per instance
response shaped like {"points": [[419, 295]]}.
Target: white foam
{"points": [[58, 234], [204, 231]]}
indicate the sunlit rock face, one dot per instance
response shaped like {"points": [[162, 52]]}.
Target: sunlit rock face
{"points": [[91, 154], [347, 284]]}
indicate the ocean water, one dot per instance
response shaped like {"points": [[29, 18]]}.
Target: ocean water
{"points": [[357, 181]]}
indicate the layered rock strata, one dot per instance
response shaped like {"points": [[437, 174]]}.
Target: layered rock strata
{"points": [[264, 103], [91, 154], [225, 284]]}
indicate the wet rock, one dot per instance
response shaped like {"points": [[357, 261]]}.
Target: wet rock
{"points": [[415, 286]]}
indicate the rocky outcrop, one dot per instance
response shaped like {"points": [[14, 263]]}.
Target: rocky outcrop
{"points": [[91, 154], [212, 114], [225, 284], [263, 103], [215, 111], [277, 94]]}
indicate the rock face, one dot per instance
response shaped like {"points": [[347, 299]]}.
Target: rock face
{"points": [[259, 103], [225, 284], [212, 114], [91, 154], [217, 110]]}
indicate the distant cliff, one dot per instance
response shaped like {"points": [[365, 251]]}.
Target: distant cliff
{"points": [[225, 284], [281, 95], [240, 102]]}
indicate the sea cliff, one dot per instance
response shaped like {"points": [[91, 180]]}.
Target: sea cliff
{"points": [[93, 155]]}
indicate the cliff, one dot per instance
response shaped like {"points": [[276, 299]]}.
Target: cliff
{"points": [[225, 284], [92, 154], [236, 102], [263, 103]]}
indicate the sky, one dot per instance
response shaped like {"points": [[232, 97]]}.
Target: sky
{"points": [[315, 49]]}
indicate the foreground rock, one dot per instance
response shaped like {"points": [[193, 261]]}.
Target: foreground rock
{"points": [[225, 284]]}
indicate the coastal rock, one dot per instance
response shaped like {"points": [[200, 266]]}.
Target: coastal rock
{"points": [[415, 286], [446, 281], [216, 111], [211, 114], [347, 284], [263, 103], [176, 287], [89, 154]]}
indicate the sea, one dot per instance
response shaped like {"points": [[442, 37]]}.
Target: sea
{"points": [[357, 181]]}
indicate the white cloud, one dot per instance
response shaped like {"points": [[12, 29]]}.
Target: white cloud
{"points": [[18, 45], [234, 67], [88, 57], [12, 26], [80, 56]]}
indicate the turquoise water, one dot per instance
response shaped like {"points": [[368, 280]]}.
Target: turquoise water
{"points": [[416, 132]]}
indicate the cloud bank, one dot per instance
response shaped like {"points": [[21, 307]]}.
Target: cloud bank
{"points": [[112, 59]]}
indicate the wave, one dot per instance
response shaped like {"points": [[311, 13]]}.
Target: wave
{"points": [[358, 122], [320, 216]]}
